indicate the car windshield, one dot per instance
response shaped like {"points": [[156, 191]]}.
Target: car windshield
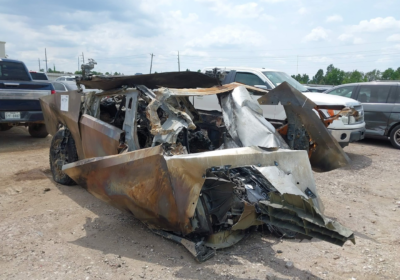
{"points": [[279, 77], [70, 79]]}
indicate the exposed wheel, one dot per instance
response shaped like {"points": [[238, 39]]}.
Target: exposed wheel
{"points": [[38, 130], [395, 136], [5, 127], [62, 151]]}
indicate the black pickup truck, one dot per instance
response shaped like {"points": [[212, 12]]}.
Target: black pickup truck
{"points": [[19, 98]]}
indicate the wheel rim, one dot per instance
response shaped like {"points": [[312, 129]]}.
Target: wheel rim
{"points": [[396, 137]]}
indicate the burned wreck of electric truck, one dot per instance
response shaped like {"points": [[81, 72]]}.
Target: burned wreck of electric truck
{"points": [[203, 179]]}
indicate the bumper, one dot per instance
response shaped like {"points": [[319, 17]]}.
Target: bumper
{"points": [[346, 136], [26, 117]]}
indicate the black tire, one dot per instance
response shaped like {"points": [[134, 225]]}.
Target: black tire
{"points": [[395, 136], [38, 130], [62, 151], [5, 127]]}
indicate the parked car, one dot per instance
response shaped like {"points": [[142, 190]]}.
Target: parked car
{"points": [[345, 129], [62, 86], [318, 88], [19, 98], [40, 76], [66, 78], [381, 102]]}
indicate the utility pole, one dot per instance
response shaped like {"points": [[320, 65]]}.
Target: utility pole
{"points": [[83, 58], [45, 55], [39, 63], [151, 63], [179, 63]]}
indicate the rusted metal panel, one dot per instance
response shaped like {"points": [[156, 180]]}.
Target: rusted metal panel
{"points": [[328, 155], [99, 138], [54, 115], [210, 91], [151, 185], [137, 182], [168, 79]]}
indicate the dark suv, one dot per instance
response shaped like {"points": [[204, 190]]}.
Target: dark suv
{"points": [[381, 102]]}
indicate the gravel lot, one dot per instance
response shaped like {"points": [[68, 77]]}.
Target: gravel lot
{"points": [[50, 231]]}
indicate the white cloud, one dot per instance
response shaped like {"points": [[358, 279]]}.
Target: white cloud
{"points": [[320, 59], [272, 1], [317, 34], [358, 40], [334, 18], [393, 38], [229, 35], [376, 25], [302, 11], [345, 37], [247, 10]]}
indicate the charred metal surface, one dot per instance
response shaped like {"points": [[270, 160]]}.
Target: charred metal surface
{"points": [[328, 155], [245, 122], [69, 117], [200, 179], [107, 137], [169, 79]]}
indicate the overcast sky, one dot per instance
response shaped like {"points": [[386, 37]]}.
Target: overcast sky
{"points": [[288, 35]]}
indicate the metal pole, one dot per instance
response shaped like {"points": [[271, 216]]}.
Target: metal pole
{"points": [[45, 55], [151, 63], [39, 63], [179, 63], [83, 58]]}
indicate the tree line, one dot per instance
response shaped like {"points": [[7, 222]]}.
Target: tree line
{"points": [[335, 76]]}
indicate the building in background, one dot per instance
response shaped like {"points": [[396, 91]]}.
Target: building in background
{"points": [[2, 49]]}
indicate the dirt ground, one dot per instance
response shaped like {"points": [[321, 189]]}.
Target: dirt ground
{"points": [[50, 231]]}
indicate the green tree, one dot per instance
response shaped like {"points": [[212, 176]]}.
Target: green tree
{"points": [[318, 78], [78, 72], [334, 76], [390, 74], [354, 77], [373, 75]]}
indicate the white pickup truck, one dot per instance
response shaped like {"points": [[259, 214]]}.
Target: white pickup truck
{"points": [[345, 129]]}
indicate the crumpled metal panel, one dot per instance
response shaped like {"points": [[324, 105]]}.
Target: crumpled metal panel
{"points": [[169, 79], [99, 138], [300, 215], [328, 154], [53, 115], [211, 91], [137, 182], [162, 191], [244, 120]]}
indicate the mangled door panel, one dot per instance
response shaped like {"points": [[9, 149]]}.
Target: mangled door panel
{"points": [[63, 108], [99, 138], [137, 182], [327, 154]]}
